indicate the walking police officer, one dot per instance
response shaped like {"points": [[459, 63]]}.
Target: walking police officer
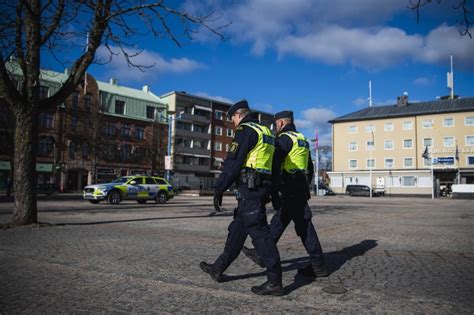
{"points": [[249, 164], [293, 158]]}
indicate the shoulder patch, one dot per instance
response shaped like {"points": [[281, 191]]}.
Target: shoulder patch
{"points": [[233, 147]]}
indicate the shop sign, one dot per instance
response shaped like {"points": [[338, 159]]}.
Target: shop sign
{"points": [[109, 171]]}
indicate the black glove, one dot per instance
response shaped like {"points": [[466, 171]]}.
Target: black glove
{"points": [[276, 201], [217, 201]]}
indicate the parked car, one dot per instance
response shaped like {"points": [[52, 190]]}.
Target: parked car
{"points": [[139, 188], [360, 190]]}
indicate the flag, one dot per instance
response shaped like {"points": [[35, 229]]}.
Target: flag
{"points": [[456, 155], [426, 154]]}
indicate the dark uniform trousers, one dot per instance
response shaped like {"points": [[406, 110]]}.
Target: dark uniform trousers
{"points": [[295, 208], [250, 219]]}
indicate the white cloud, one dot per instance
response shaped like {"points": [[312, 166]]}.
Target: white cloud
{"points": [[214, 97], [422, 81], [118, 66], [445, 41], [313, 119]]}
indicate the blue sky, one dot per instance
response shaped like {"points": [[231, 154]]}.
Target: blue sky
{"points": [[314, 57]]}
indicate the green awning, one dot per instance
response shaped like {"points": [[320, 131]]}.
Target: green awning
{"points": [[4, 165], [40, 167]]}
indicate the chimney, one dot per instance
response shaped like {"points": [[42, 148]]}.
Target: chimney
{"points": [[402, 100], [146, 89], [113, 81]]}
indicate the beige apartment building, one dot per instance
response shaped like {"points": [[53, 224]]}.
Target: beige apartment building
{"points": [[383, 146]]}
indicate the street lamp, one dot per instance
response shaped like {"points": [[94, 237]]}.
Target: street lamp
{"points": [[170, 127]]}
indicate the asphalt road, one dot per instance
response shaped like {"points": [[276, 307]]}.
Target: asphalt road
{"points": [[390, 255]]}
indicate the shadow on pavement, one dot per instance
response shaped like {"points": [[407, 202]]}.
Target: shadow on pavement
{"points": [[334, 260]]}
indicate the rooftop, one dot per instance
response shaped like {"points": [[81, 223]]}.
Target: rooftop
{"points": [[412, 109]]}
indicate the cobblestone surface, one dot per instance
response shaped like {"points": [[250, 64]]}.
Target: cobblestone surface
{"points": [[393, 255]]}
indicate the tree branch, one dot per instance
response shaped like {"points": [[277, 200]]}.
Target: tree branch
{"points": [[55, 23]]}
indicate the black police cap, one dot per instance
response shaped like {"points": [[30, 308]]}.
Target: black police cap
{"points": [[239, 105], [284, 114]]}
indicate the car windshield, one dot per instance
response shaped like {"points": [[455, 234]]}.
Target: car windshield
{"points": [[120, 180]]}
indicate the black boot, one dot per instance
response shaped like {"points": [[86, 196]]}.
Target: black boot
{"points": [[252, 254], [320, 271], [216, 275], [268, 289]]}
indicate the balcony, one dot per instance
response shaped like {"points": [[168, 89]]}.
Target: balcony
{"points": [[192, 134], [192, 168], [196, 118], [197, 151]]}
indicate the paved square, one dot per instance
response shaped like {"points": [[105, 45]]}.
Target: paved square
{"points": [[399, 255]]}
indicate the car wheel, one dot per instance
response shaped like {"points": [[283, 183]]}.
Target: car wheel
{"points": [[161, 198], [94, 201], [114, 197], [141, 201]]}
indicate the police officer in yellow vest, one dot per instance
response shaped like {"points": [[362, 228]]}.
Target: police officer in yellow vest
{"points": [[293, 158], [249, 164]]}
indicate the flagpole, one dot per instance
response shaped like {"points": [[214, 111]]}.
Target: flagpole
{"points": [[432, 177], [85, 72], [316, 149]]}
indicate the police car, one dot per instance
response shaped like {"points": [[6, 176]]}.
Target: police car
{"points": [[139, 188]]}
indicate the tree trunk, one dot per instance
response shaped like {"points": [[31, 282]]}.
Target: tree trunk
{"points": [[26, 138]]}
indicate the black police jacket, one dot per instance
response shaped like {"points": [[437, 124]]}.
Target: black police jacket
{"points": [[244, 141], [282, 181]]}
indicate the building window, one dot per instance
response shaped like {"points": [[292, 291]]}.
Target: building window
{"points": [[408, 162], [352, 163], [45, 120], [139, 133], [181, 142], [427, 142], [109, 129], [370, 128], [218, 131], [470, 160], [352, 129], [353, 146], [85, 150], [370, 163], [389, 163], [74, 101], [469, 121], [150, 112], [427, 162], [407, 143], [408, 181], [72, 150], [448, 141], [407, 125], [228, 117], [427, 123], [201, 144], [126, 131], [230, 132], [388, 127], [370, 146], [74, 121], [45, 146], [183, 125], [43, 92], [388, 145], [448, 122], [469, 141], [199, 128], [218, 114], [87, 102], [120, 107], [218, 146], [227, 147]]}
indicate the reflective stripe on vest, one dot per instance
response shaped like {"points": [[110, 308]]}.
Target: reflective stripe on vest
{"points": [[261, 156], [297, 158]]}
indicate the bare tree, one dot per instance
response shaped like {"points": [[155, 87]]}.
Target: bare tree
{"points": [[466, 7], [31, 28]]}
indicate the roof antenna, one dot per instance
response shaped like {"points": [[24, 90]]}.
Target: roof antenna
{"points": [[370, 93], [450, 76]]}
